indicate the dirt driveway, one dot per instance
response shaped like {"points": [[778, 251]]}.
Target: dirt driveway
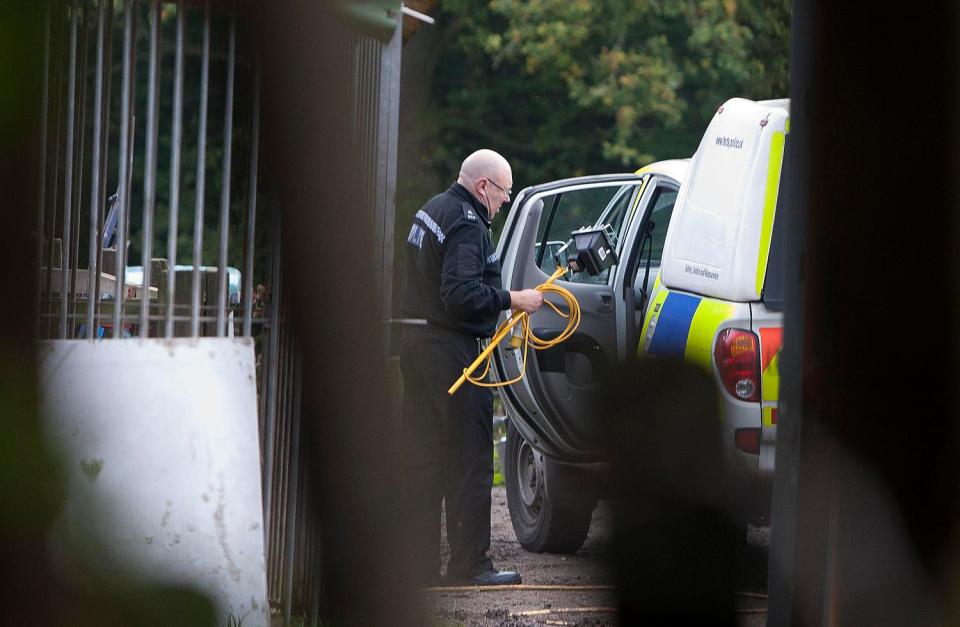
{"points": [[558, 589]]}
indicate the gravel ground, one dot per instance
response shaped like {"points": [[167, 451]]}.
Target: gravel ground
{"points": [[587, 598]]}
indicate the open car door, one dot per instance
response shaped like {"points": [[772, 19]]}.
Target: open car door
{"points": [[553, 405]]}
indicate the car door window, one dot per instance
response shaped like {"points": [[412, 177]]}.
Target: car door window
{"points": [[661, 208], [660, 215], [571, 210]]}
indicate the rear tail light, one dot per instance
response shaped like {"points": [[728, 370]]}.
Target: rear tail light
{"points": [[747, 440], [738, 363]]}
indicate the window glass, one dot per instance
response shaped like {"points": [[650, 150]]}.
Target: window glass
{"points": [[664, 199], [660, 215], [571, 210]]}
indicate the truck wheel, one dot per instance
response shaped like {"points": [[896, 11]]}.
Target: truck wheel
{"points": [[541, 526]]}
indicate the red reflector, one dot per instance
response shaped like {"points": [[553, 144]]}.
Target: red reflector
{"points": [[773, 416], [747, 440], [738, 363]]}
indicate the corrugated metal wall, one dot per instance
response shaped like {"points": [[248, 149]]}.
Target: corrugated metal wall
{"points": [[377, 104]]}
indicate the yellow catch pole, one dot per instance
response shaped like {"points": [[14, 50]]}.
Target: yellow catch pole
{"points": [[497, 339], [486, 352]]}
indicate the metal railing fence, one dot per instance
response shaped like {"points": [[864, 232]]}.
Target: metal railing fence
{"points": [[99, 158], [136, 183], [151, 119]]}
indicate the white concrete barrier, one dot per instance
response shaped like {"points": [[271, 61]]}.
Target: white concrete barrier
{"points": [[160, 443]]}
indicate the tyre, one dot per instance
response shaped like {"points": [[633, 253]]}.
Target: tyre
{"points": [[541, 525]]}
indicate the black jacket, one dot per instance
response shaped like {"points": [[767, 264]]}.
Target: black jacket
{"points": [[453, 273]]}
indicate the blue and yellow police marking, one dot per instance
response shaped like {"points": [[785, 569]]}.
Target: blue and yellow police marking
{"points": [[708, 318], [770, 386], [673, 324], [769, 205], [684, 325], [650, 318], [771, 341]]}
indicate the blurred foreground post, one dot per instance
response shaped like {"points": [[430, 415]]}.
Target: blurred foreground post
{"points": [[678, 534], [866, 513], [348, 423], [27, 472]]}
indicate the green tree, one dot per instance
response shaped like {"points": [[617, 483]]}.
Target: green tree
{"points": [[568, 87]]}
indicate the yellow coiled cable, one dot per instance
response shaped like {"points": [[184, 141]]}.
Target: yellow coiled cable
{"points": [[527, 336]]}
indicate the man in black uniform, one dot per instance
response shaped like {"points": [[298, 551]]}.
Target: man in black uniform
{"points": [[453, 283]]}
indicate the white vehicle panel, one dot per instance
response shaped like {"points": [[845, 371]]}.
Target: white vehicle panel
{"points": [[714, 243]]}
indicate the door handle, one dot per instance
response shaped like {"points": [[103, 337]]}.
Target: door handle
{"points": [[606, 302]]}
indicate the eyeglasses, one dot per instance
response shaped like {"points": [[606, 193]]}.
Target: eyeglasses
{"points": [[507, 192]]}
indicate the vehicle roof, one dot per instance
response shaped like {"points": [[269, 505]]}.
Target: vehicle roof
{"points": [[780, 103], [674, 168]]}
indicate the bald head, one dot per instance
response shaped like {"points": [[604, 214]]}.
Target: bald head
{"points": [[482, 168], [483, 163]]}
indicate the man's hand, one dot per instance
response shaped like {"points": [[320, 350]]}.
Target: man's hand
{"points": [[526, 300]]}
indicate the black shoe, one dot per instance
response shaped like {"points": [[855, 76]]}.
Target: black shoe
{"points": [[492, 577]]}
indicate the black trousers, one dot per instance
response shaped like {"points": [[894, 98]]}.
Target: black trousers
{"points": [[447, 452]]}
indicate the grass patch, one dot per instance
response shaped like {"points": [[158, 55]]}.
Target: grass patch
{"points": [[499, 431], [233, 621]]}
